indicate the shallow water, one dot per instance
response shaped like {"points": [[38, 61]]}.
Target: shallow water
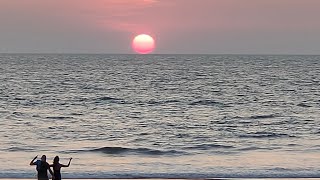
{"points": [[169, 116]]}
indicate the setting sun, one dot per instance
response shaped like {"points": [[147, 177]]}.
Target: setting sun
{"points": [[143, 44]]}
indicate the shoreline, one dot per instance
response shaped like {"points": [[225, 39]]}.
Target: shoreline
{"points": [[172, 178]]}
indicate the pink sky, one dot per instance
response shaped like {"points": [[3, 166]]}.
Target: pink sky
{"points": [[179, 26]]}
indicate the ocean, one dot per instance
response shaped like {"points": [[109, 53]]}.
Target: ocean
{"points": [[161, 116]]}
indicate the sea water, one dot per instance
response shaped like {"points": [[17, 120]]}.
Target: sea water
{"points": [[161, 116]]}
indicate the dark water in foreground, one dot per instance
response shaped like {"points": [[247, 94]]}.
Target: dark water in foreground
{"points": [[168, 116]]}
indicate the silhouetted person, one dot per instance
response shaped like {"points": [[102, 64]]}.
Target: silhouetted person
{"points": [[42, 167], [56, 166]]}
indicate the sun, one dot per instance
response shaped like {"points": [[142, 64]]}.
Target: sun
{"points": [[143, 44]]}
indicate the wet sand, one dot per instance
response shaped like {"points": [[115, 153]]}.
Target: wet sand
{"points": [[186, 179]]}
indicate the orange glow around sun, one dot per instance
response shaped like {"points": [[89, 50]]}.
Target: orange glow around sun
{"points": [[143, 44]]}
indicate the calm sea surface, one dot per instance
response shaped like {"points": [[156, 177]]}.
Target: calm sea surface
{"points": [[167, 116]]}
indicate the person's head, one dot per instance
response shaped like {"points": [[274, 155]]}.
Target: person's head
{"points": [[44, 158], [56, 160]]}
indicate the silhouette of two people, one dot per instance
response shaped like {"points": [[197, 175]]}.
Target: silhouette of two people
{"points": [[43, 167]]}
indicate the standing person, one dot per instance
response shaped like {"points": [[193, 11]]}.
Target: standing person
{"points": [[56, 166], [42, 167]]}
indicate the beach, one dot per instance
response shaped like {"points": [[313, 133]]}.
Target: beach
{"points": [[189, 179]]}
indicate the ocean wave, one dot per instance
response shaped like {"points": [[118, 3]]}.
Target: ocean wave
{"points": [[18, 113], [256, 148], [154, 102], [106, 98], [110, 100], [206, 103], [76, 114], [59, 117], [268, 116], [131, 151], [210, 146], [20, 99], [18, 149], [303, 105], [264, 135]]}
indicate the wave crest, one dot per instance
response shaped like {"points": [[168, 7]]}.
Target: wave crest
{"points": [[133, 151]]}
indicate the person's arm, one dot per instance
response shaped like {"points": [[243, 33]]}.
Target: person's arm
{"points": [[51, 172], [32, 161], [62, 165]]}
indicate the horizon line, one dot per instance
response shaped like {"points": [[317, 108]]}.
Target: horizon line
{"points": [[156, 54]]}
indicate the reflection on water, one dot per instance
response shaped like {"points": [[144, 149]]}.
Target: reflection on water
{"points": [[161, 116]]}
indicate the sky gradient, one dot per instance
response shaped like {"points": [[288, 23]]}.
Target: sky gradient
{"points": [[178, 26]]}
